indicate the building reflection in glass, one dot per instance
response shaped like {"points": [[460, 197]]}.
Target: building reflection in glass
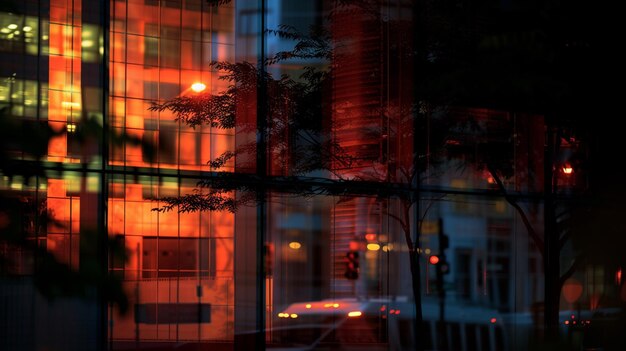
{"points": [[336, 267]]}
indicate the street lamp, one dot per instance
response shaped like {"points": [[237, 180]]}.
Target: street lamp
{"points": [[567, 169], [198, 87]]}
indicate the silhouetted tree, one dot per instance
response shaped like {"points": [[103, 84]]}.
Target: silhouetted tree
{"points": [[25, 217]]}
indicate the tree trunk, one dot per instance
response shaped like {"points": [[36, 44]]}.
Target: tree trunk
{"points": [[418, 332]]}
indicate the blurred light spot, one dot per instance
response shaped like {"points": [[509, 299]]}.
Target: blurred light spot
{"points": [[12, 26], [373, 247], [293, 315], [354, 245], [427, 251], [308, 305], [198, 87], [354, 314], [295, 245], [567, 169], [69, 104], [87, 43], [433, 259], [370, 237], [27, 28], [335, 305], [493, 320]]}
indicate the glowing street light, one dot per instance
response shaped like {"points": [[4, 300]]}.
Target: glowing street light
{"points": [[198, 87]]}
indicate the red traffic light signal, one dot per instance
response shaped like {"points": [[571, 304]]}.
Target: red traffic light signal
{"points": [[434, 259], [440, 263]]}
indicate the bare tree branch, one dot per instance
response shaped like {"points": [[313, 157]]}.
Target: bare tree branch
{"points": [[529, 227]]}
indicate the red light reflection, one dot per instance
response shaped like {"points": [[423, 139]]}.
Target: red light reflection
{"points": [[433, 259]]}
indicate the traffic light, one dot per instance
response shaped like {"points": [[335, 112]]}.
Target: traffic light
{"points": [[352, 265], [434, 259], [440, 263], [443, 266]]}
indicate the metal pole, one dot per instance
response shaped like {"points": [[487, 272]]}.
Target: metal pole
{"points": [[443, 339], [261, 168]]}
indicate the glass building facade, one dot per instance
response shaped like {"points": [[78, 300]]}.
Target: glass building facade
{"points": [[361, 218]]}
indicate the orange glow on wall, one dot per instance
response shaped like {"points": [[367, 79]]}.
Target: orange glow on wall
{"points": [[64, 72]]}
